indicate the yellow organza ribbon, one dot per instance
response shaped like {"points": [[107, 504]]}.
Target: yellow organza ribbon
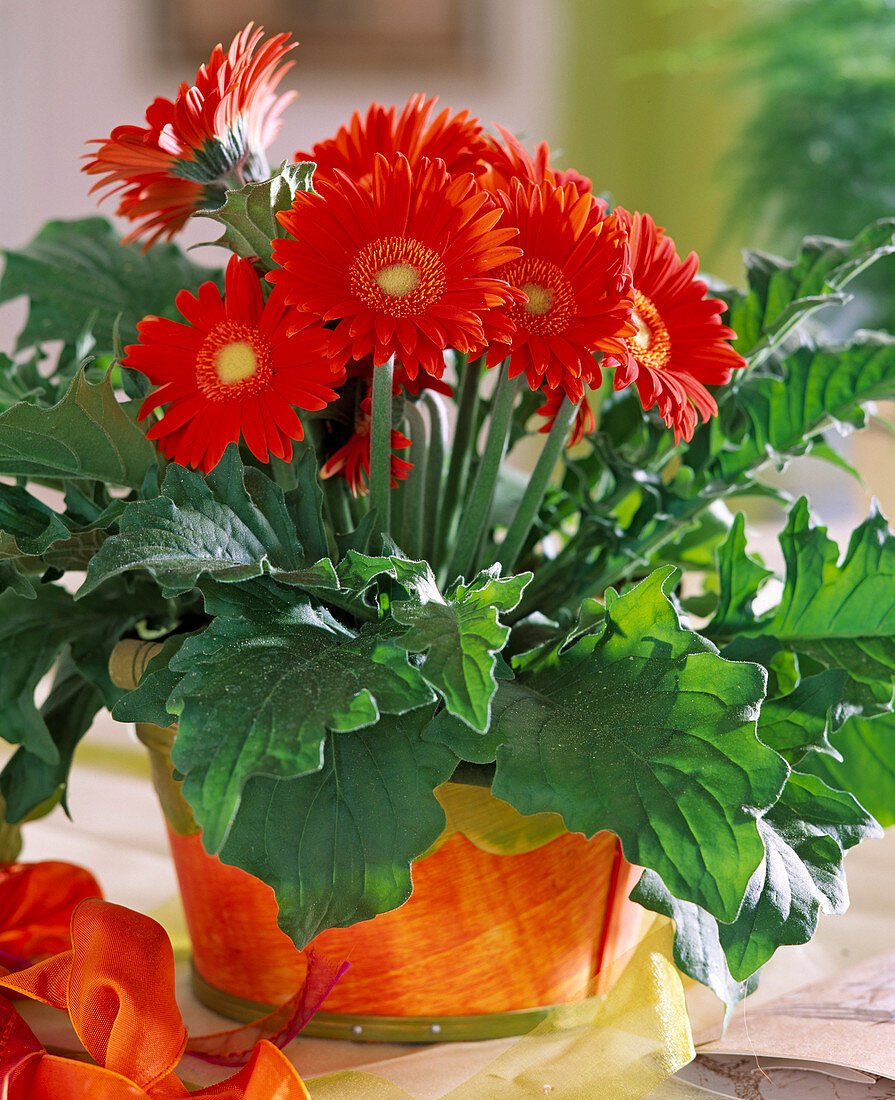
{"points": [[116, 983], [621, 1045]]}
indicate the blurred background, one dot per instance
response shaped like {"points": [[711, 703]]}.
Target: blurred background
{"points": [[735, 123]]}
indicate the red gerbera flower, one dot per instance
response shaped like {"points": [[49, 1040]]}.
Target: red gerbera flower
{"points": [[406, 268], [585, 422], [352, 460], [680, 345], [457, 140], [507, 160], [575, 276], [236, 368], [215, 132]]}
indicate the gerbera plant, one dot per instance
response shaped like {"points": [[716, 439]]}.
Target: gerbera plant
{"points": [[298, 473]]}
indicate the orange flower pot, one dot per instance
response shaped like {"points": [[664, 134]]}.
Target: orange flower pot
{"points": [[483, 946], [509, 916]]}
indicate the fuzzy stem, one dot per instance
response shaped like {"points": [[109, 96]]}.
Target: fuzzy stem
{"points": [[381, 445], [438, 436], [478, 504], [533, 497], [461, 450], [414, 495], [10, 837], [335, 494], [314, 436]]}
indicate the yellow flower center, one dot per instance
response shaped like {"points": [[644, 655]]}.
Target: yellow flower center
{"points": [[398, 280], [651, 344], [397, 276], [551, 300], [540, 299], [233, 361]]}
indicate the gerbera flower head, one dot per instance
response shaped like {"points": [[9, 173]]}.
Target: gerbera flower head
{"points": [[214, 133], [680, 345], [352, 460], [456, 139], [576, 280], [405, 268], [585, 421], [508, 159], [235, 369]]}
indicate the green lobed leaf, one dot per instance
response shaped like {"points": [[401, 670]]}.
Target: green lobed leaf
{"points": [[27, 525], [460, 635], [35, 632], [740, 576], [304, 503], [782, 293], [249, 216], [867, 767], [88, 434], [231, 524], [805, 834], [640, 727], [12, 579], [823, 598], [349, 824], [29, 780], [469, 744], [800, 721], [148, 701], [838, 614], [78, 272], [357, 571], [697, 947], [20, 381], [33, 537], [258, 695], [771, 417]]}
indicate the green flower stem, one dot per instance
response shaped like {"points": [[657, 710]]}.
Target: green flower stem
{"points": [[288, 480], [396, 525], [551, 580], [533, 497], [336, 494], [478, 504], [10, 836], [438, 438], [414, 492], [381, 446], [461, 451]]}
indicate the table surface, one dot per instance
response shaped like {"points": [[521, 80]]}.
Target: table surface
{"points": [[119, 835]]}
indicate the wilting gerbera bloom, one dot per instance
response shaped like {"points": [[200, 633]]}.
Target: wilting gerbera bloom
{"points": [[455, 139], [212, 135], [352, 460], [585, 422], [404, 269], [575, 276], [680, 345], [508, 159], [235, 369]]}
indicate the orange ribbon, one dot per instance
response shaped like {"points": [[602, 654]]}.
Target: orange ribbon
{"points": [[36, 904], [117, 985]]}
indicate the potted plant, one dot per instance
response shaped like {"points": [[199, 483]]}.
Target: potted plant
{"points": [[291, 476]]}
